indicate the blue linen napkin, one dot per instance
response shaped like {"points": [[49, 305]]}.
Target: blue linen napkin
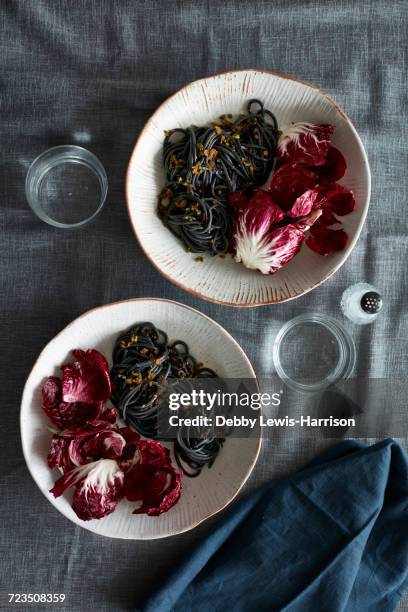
{"points": [[331, 538]]}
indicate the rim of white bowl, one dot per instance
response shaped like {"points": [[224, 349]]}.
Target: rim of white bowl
{"points": [[84, 524], [352, 242]]}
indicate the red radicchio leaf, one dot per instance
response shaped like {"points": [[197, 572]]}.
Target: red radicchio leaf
{"points": [[131, 436], [306, 143], [262, 203], [132, 439], [105, 444], [131, 452], [333, 168], [326, 218], [66, 414], [260, 211], [326, 241], [259, 207], [158, 488], [289, 182], [148, 452], [85, 444], [144, 482], [336, 198], [153, 453], [270, 249], [94, 505], [52, 392], [106, 413], [99, 488], [304, 204], [59, 453], [86, 379], [239, 201], [150, 478]]}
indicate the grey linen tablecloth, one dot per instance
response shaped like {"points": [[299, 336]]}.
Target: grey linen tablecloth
{"points": [[92, 72]]}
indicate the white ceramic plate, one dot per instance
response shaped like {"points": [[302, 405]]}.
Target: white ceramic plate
{"points": [[201, 497], [223, 280]]}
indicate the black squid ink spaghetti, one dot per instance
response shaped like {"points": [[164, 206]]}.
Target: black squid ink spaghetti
{"points": [[143, 362], [204, 165]]}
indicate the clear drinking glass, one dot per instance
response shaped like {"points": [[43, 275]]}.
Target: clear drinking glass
{"points": [[66, 186], [313, 351]]}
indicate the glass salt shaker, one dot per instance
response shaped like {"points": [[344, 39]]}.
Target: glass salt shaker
{"points": [[361, 303]]}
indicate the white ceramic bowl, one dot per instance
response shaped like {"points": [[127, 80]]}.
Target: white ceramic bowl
{"points": [[201, 497], [222, 280]]}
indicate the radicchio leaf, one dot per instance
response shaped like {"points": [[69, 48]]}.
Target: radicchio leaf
{"points": [[99, 488], [87, 379], [305, 143], [259, 210], [334, 166], [131, 453], [58, 455], [268, 249], [153, 453], [83, 445], [239, 201], [304, 204], [261, 213], [290, 181], [68, 415], [326, 241], [338, 199], [151, 479], [148, 452], [326, 218], [157, 488], [262, 203]]}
